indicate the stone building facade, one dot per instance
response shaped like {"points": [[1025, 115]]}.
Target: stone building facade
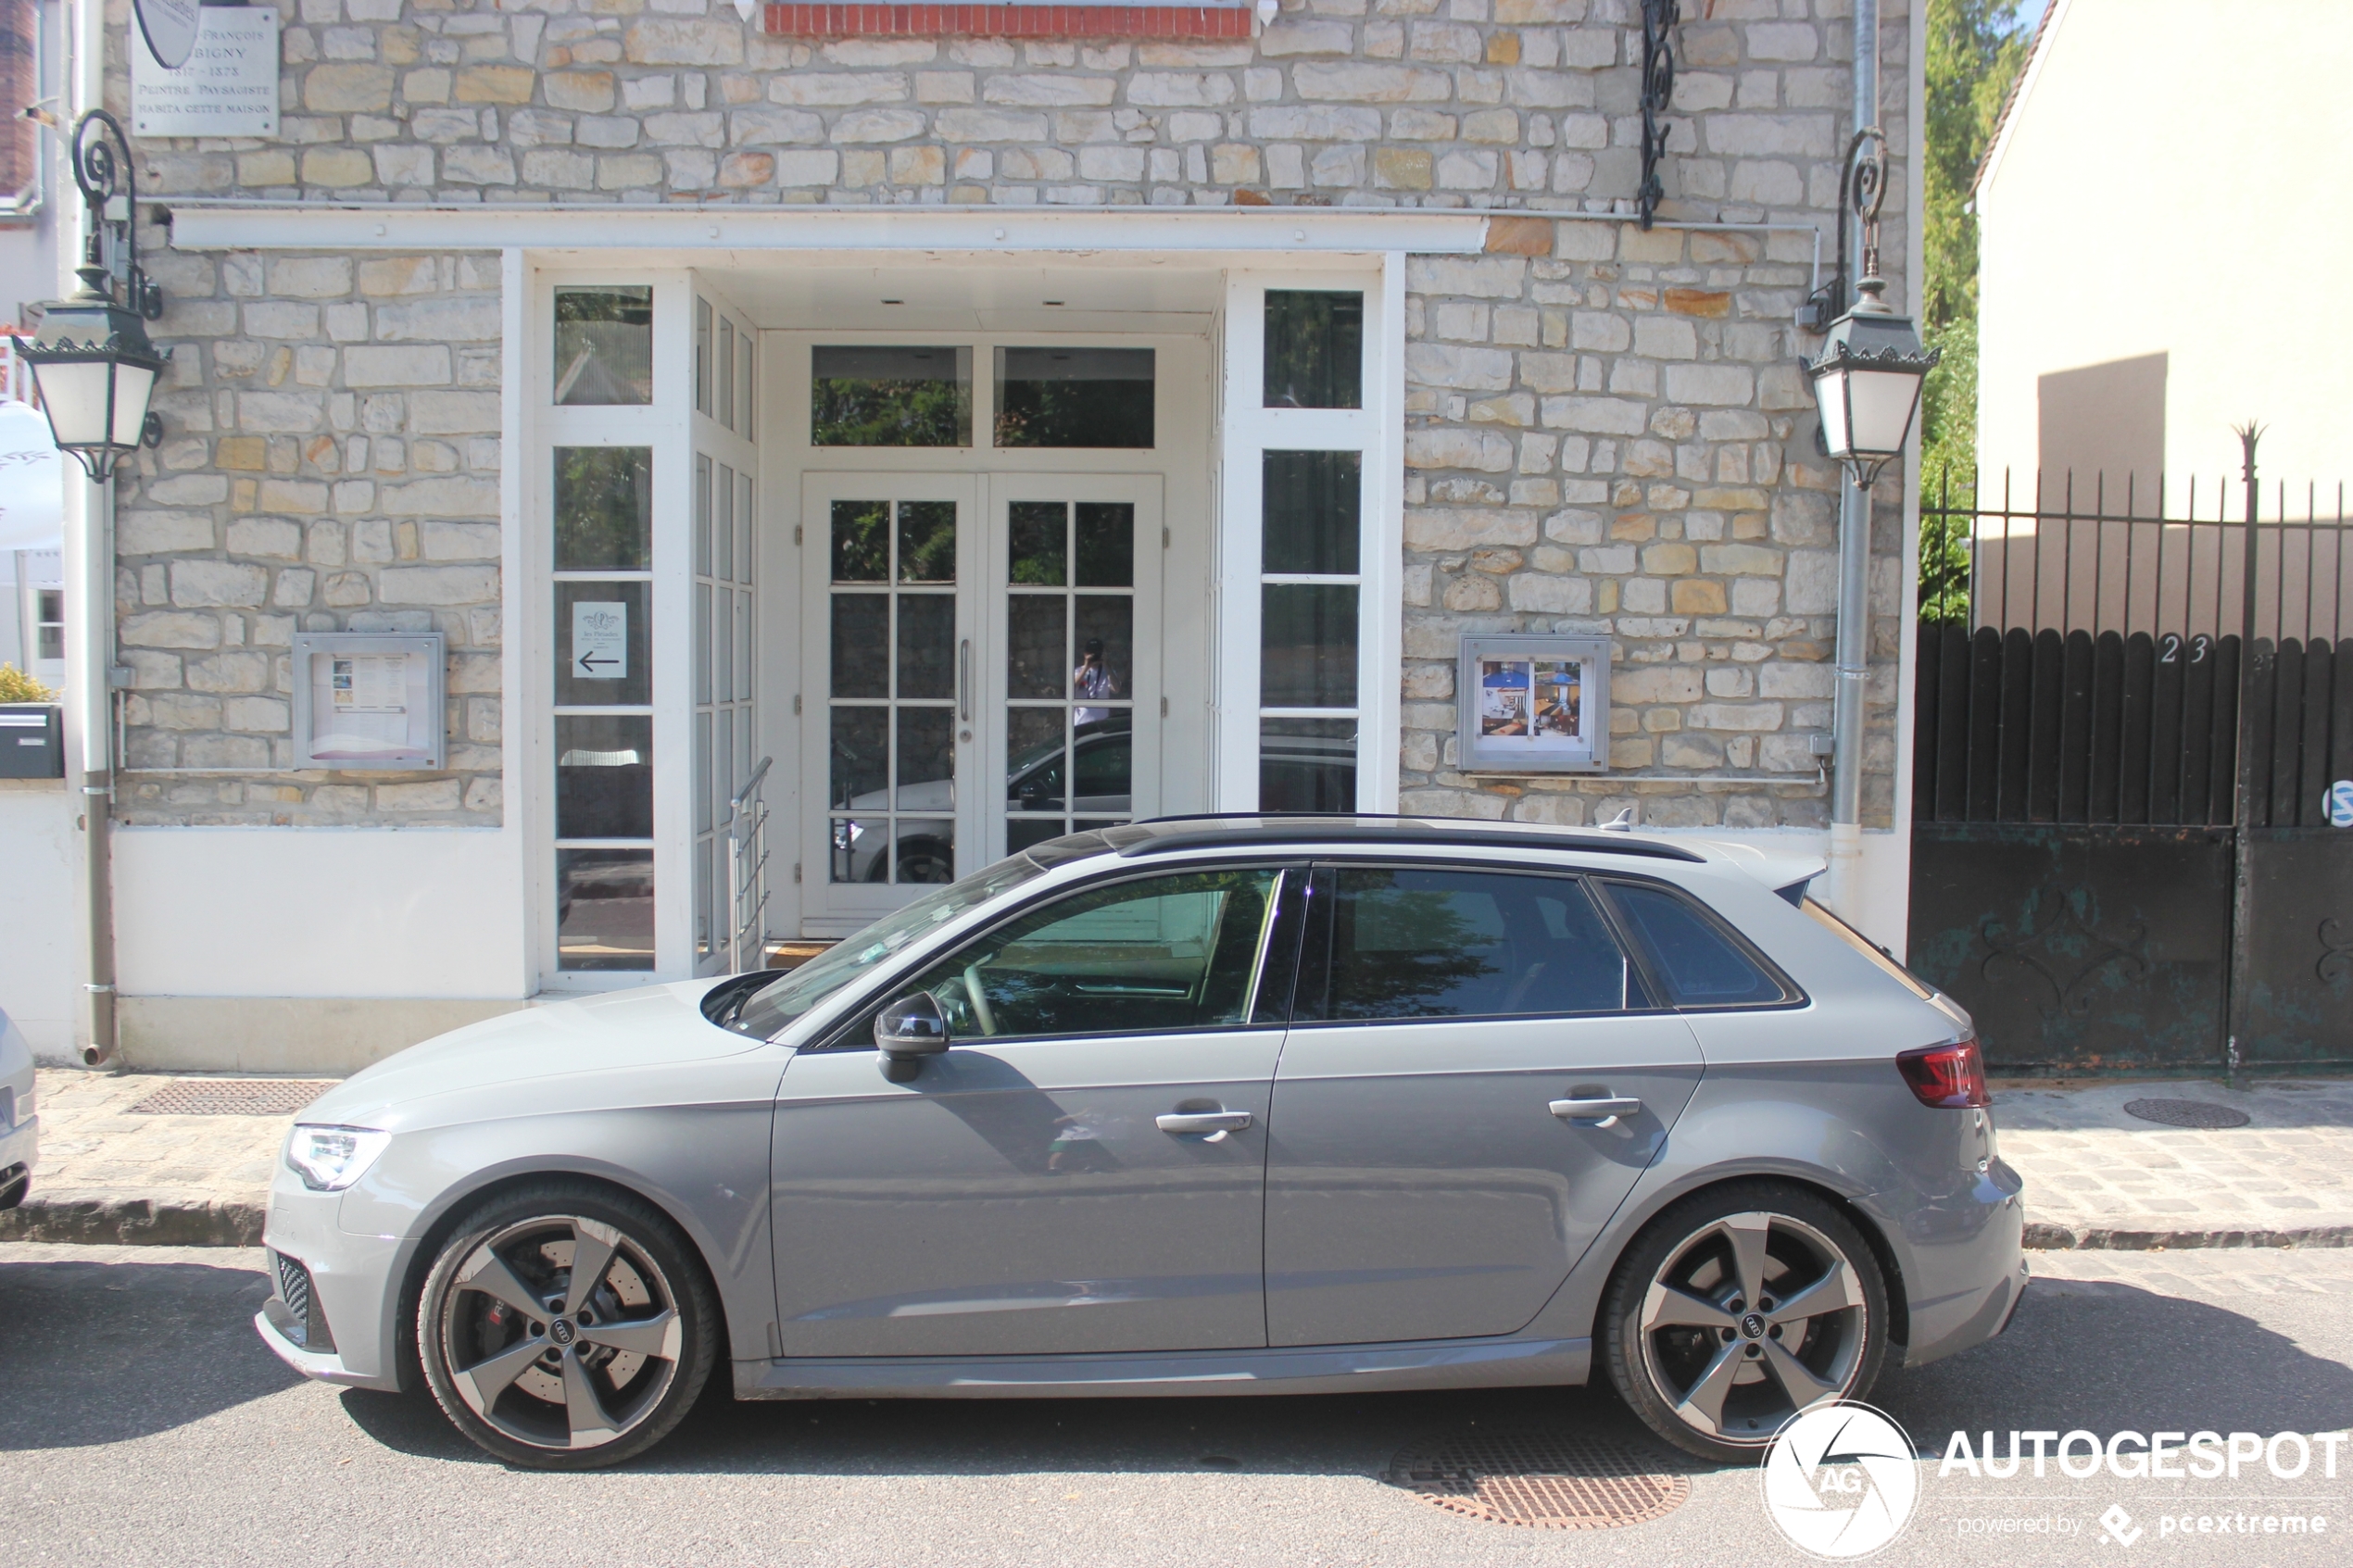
{"points": [[1598, 427]]}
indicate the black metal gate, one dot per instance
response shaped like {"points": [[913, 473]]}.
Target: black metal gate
{"points": [[2122, 856]]}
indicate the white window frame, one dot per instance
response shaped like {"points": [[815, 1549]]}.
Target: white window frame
{"points": [[1248, 429], [665, 425]]}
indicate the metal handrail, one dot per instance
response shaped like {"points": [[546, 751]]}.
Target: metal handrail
{"points": [[748, 873]]}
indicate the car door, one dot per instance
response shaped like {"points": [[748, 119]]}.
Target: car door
{"points": [[1474, 1078], [1083, 1169]]}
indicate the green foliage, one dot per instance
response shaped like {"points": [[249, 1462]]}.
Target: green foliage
{"points": [[860, 412], [18, 686], [1975, 49]]}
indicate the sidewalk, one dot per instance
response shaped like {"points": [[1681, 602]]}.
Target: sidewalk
{"points": [[2097, 1177]]}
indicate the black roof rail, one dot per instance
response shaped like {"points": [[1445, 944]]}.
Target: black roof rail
{"points": [[1162, 834]]}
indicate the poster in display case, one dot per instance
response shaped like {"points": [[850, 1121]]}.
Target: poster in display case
{"points": [[1533, 704], [368, 701]]}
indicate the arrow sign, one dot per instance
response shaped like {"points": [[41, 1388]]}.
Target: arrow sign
{"points": [[600, 639]]}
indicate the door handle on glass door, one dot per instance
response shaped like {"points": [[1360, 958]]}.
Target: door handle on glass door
{"points": [[964, 681], [1600, 1112], [1217, 1124]]}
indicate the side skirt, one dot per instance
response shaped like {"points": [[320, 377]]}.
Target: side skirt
{"points": [[1328, 1369]]}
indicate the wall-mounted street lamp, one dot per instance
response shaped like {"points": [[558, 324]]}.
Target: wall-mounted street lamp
{"points": [[91, 358], [1868, 378]]}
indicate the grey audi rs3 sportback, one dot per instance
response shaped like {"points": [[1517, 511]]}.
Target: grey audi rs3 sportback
{"points": [[1202, 1106]]}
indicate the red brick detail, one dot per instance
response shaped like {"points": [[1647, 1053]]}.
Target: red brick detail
{"points": [[1008, 21]]}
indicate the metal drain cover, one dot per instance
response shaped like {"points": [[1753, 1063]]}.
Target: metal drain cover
{"points": [[2186, 1113], [231, 1096], [1542, 1480]]}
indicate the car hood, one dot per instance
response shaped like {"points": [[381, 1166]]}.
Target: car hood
{"points": [[654, 1026]]}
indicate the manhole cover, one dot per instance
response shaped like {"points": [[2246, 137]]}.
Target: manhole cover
{"points": [[231, 1096], [1544, 1480], [2186, 1113]]}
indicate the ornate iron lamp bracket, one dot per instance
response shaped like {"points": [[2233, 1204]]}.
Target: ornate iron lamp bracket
{"points": [[102, 172], [1861, 193], [1659, 18]]}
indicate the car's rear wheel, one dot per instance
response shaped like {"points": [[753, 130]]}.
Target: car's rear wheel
{"points": [[566, 1327], [1739, 1308]]}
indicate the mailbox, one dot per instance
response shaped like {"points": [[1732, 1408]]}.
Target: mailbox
{"points": [[32, 741]]}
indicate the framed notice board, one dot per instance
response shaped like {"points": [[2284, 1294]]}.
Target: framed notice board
{"points": [[1533, 704], [368, 700]]}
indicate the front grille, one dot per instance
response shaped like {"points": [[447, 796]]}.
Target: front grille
{"points": [[309, 1329]]}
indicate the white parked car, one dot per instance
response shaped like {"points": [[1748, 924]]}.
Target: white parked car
{"points": [[19, 1127]]}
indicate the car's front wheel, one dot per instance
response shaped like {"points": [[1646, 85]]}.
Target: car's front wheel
{"points": [[566, 1327], [1738, 1308]]}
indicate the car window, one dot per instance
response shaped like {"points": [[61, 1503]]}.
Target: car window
{"points": [[1694, 958], [770, 1010], [1157, 953], [1401, 942]]}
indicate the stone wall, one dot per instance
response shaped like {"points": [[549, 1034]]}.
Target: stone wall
{"points": [[331, 463], [1604, 426], [1607, 431], [1510, 102]]}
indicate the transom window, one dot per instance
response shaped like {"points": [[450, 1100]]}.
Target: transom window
{"points": [[1066, 396]]}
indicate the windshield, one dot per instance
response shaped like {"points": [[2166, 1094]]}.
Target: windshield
{"points": [[1871, 950], [769, 1010]]}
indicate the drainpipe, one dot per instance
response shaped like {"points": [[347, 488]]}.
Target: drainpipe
{"points": [[1853, 650], [88, 560]]}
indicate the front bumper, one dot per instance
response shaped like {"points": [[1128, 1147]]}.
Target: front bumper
{"points": [[352, 1284]]}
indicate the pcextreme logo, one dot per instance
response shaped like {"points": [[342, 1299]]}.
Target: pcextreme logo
{"points": [[1840, 1481]]}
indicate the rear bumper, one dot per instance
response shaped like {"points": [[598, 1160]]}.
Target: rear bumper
{"points": [[20, 1152], [1967, 1275]]}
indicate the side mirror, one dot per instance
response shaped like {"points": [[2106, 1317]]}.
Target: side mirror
{"points": [[912, 1026]]}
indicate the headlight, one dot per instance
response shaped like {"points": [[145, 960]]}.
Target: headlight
{"points": [[331, 1159]]}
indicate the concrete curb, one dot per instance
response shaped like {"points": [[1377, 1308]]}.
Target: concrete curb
{"points": [[2044, 1237], [134, 1221]]}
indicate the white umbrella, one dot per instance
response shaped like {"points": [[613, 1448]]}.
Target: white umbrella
{"points": [[31, 481]]}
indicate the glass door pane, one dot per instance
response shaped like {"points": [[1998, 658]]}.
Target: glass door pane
{"points": [[886, 647], [1075, 677]]}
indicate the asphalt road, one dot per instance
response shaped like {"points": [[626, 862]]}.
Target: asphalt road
{"points": [[141, 1422]]}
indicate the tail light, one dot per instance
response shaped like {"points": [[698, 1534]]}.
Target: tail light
{"points": [[1948, 1077]]}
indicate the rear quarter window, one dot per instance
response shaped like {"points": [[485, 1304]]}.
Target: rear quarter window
{"points": [[1695, 955]]}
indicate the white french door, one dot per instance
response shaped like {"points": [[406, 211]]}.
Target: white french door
{"points": [[982, 671]]}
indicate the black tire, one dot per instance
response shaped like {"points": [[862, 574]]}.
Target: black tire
{"points": [[638, 1342], [1709, 1369]]}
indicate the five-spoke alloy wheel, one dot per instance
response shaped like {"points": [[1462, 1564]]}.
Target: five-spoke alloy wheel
{"points": [[565, 1327], [1739, 1308]]}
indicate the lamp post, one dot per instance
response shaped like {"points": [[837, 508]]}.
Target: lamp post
{"points": [[1867, 388], [96, 372], [90, 357]]}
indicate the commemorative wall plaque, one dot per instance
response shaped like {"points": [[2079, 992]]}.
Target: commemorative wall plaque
{"points": [[226, 83]]}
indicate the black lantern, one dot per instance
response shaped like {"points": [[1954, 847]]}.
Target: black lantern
{"points": [[90, 357], [1868, 378]]}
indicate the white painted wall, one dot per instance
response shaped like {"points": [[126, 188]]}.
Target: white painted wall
{"points": [[2171, 180], [39, 981], [323, 912]]}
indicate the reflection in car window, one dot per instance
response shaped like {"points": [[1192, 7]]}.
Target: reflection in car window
{"points": [[1159, 953], [1404, 943], [779, 1004], [1700, 965]]}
